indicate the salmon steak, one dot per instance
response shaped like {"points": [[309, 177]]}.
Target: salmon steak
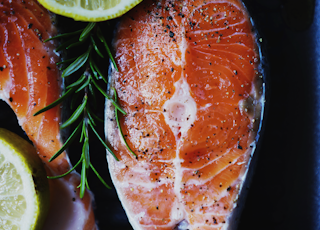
{"points": [[189, 79], [29, 81]]}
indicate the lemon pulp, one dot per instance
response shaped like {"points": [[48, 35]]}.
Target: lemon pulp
{"points": [[24, 189], [90, 10]]}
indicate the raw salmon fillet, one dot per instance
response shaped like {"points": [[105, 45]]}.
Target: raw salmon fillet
{"points": [[29, 81], [187, 80]]}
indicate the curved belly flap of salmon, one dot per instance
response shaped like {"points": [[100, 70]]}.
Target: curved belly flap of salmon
{"points": [[187, 71], [29, 81]]}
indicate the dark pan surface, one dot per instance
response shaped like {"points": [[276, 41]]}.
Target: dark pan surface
{"points": [[284, 193], [285, 189]]}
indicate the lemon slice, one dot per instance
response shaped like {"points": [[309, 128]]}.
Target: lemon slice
{"points": [[24, 189], [90, 10]]}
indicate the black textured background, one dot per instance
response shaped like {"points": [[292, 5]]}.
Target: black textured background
{"points": [[285, 191]]}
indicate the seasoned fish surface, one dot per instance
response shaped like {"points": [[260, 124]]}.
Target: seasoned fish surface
{"points": [[187, 71], [29, 81]]}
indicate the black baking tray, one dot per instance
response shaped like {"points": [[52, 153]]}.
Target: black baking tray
{"points": [[285, 189]]}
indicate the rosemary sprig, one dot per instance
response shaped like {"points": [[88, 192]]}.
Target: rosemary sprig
{"points": [[85, 86]]}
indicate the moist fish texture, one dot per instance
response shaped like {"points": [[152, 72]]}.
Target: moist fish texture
{"points": [[187, 79], [29, 81]]}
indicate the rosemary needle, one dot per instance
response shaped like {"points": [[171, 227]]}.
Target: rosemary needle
{"points": [[119, 126], [62, 175]]}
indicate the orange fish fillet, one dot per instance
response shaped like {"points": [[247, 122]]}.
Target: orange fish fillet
{"points": [[29, 81], [187, 79]]}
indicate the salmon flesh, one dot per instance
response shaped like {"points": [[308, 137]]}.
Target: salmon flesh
{"points": [[190, 81], [29, 81]]}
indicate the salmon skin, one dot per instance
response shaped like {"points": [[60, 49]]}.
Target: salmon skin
{"points": [[29, 81], [189, 80]]}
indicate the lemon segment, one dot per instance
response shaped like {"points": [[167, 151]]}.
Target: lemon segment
{"points": [[24, 189], [90, 10]]}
